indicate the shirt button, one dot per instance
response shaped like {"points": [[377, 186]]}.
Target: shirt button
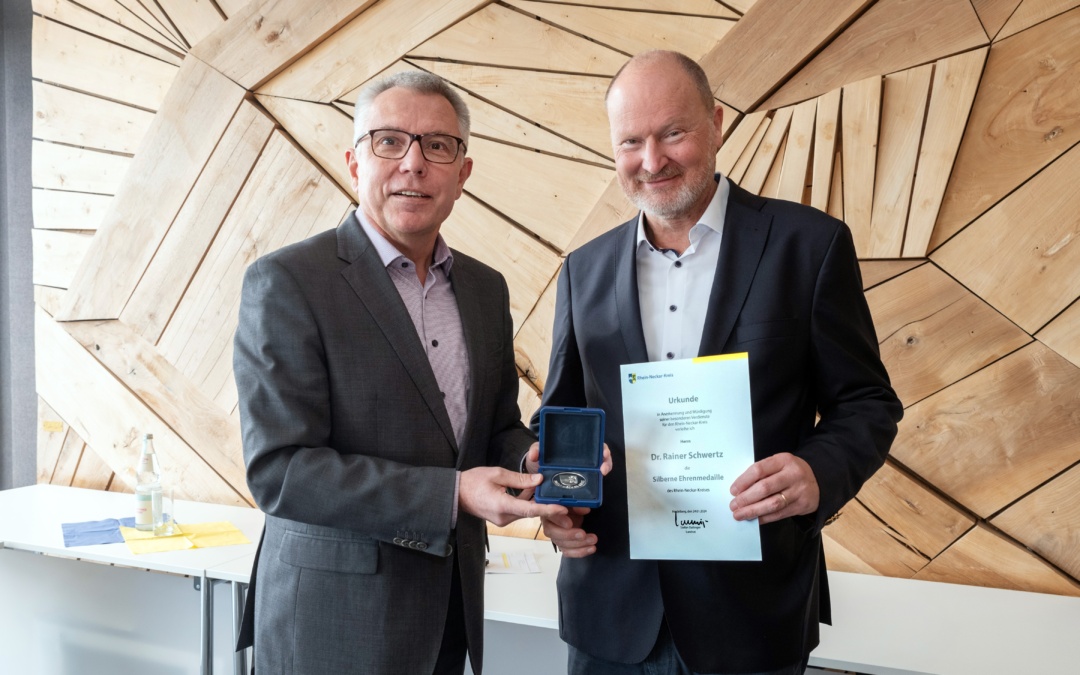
{"points": [[673, 308], [671, 355], [678, 263], [434, 343], [404, 264]]}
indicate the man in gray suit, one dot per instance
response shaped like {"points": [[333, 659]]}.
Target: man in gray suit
{"points": [[378, 401]]}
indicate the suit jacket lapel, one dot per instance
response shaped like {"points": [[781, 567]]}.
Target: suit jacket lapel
{"points": [[473, 322], [746, 230], [368, 278], [626, 295]]}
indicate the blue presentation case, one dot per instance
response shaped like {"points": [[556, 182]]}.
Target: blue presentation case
{"points": [[571, 452]]}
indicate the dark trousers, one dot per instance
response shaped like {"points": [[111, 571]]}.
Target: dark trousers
{"points": [[454, 646]]}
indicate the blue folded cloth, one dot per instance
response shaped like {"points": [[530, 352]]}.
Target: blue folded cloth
{"points": [[95, 531]]}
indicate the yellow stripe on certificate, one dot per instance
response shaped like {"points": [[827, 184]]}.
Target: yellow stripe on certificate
{"points": [[721, 357]]}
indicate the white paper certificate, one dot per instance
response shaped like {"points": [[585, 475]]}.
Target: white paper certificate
{"points": [[689, 435]]}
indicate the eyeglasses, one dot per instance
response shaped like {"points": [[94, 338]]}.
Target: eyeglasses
{"points": [[395, 144]]}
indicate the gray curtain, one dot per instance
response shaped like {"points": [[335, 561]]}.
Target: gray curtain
{"points": [[18, 402]]}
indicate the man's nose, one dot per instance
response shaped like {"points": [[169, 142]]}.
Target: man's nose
{"points": [[653, 158], [414, 158]]}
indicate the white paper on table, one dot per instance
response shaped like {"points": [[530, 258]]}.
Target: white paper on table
{"points": [[689, 434], [511, 563]]}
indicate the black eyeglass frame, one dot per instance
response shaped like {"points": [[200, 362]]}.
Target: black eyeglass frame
{"points": [[414, 138]]}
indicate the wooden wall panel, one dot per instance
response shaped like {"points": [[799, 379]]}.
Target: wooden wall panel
{"points": [[627, 32], [1026, 114], [865, 115], [500, 36], [892, 35], [993, 437], [1022, 256]]}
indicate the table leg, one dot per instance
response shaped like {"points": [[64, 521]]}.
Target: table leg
{"points": [[206, 639], [239, 594]]}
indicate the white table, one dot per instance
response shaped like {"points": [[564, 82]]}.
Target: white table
{"points": [[30, 520]]}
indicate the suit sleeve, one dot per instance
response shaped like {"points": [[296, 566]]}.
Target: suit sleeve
{"points": [[858, 408], [285, 413]]}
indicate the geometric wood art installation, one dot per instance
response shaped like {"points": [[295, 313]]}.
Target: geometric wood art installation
{"points": [[175, 142]]}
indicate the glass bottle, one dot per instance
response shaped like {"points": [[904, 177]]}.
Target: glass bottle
{"points": [[147, 486]]}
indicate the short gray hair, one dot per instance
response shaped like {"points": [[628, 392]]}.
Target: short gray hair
{"points": [[415, 80]]}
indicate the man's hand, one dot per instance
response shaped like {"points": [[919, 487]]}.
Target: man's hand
{"points": [[565, 530], [482, 492], [777, 487]]}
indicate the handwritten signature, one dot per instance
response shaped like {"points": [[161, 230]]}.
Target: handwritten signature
{"points": [[691, 521]]}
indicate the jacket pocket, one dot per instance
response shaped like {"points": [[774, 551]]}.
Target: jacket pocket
{"points": [[764, 330], [348, 556]]}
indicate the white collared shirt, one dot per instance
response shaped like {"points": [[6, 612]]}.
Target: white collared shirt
{"points": [[674, 290]]}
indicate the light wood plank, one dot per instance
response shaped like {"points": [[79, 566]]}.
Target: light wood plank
{"points": [[1048, 521], [742, 6], [781, 36], [695, 7], [934, 332], [1031, 12], [1027, 273], [68, 57], [231, 7], [495, 123], [145, 40], [859, 119], [117, 484], [207, 429], [840, 559], [117, 13], [875, 272], [265, 36], [796, 156], [610, 210], [836, 194], [66, 116], [736, 144], [891, 36], [634, 32], [161, 19], [190, 235], [136, 9], [902, 110], [748, 154], [826, 126], [551, 196], [994, 13], [320, 129], [526, 263], [766, 153], [925, 521], [57, 255], [1025, 115], [983, 558], [49, 299], [998, 434], [285, 199], [387, 30], [92, 473], [1063, 334], [955, 81], [532, 344], [196, 112], [873, 543], [60, 210], [68, 461], [569, 105], [51, 432], [194, 19], [500, 36], [771, 186], [63, 167]]}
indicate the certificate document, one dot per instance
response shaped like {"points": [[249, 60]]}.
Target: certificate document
{"points": [[689, 435]]}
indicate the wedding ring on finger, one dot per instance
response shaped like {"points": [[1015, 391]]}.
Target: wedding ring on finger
{"points": [[785, 501]]}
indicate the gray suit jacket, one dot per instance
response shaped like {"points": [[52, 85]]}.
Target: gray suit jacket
{"points": [[787, 290], [350, 453]]}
